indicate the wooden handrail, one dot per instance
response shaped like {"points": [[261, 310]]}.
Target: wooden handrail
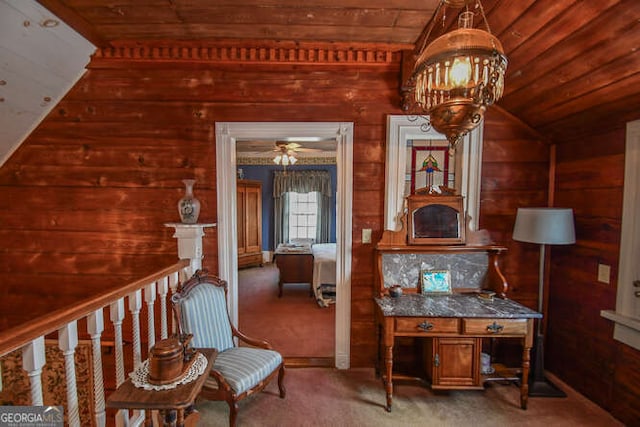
{"points": [[15, 338]]}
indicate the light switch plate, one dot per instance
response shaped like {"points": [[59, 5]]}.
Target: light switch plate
{"points": [[604, 273], [366, 235]]}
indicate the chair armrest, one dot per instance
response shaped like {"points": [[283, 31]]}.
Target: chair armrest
{"points": [[253, 341]]}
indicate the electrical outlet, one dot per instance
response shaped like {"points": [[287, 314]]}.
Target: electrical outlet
{"points": [[366, 235], [604, 273]]}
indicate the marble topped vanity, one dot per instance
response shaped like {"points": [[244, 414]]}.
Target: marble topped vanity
{"points": [[452, 327], [454, 305]]}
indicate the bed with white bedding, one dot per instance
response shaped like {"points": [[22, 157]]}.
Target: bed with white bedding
{"points": [[324, 273]]}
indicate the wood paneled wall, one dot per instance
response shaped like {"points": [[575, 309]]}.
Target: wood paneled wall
{"points": [[515, 173], [84, 199], [86, 196], [581, 349]]}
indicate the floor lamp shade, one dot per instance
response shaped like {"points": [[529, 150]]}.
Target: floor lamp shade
{"points": [[548, 226]]}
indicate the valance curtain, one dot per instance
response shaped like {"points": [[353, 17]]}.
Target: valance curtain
{"points": [[301, 182]]}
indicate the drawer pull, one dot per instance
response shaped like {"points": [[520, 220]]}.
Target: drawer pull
{"points": [[495, 328], [426, 326]]}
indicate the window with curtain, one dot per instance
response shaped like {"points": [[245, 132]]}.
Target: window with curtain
{"points": [[303, 215], [312, 183]]}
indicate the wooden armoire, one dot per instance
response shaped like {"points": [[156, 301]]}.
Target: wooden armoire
{"points": [[249, 206]]}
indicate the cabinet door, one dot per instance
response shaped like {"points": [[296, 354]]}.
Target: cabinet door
{"points": [[454, 362], [253, 219]]}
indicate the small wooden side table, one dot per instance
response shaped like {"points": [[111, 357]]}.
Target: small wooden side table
{"points": [[171, 404]]}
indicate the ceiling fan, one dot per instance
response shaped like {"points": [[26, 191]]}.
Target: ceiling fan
{"points": [[287, 152], [289, 147]]}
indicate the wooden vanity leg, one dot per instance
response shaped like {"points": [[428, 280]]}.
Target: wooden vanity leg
{"points": [[524, 383], [527, 343], [378, 366], [388, 340], [388, 380]]}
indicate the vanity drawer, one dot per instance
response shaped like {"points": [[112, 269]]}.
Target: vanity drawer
{"points": [[494, 326], [426, 325]]}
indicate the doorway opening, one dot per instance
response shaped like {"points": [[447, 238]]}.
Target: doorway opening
{"points": [[227, 133]]}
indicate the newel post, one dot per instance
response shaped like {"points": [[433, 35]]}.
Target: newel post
{"points": [[190, 242]]}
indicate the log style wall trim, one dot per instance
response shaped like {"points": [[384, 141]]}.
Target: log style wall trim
{"points": [[269, 53]]}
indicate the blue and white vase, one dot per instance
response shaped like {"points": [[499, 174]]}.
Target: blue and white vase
{"points": [[189, 206]]}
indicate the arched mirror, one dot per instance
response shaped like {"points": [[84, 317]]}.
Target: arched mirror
{"points": [[412, 144]]}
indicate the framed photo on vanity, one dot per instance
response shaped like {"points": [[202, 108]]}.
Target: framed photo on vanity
{"points": [[435, 281]]}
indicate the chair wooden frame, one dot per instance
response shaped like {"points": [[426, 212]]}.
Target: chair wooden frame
{"points": [[224, 390]]}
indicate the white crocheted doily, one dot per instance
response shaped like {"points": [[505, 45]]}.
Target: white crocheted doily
{"points": [[140, 377]]}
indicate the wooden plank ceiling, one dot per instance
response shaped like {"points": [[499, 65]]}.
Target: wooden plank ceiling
{"points": [[573, 65]]}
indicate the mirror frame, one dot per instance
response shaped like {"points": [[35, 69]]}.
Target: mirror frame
{"points": [[402, 128]]}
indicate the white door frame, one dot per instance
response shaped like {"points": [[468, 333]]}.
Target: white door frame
{"points": [[226, 135]]}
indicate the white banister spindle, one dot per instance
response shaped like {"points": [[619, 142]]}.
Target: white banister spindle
{"points": [[116, 312], [150, 299], [163, 290], [33, 359], [67, 341], [174, 281], [95, 327], [135, 304], [185, 274]]}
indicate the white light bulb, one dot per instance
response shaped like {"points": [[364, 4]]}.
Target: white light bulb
{"points": [[460, 73]]}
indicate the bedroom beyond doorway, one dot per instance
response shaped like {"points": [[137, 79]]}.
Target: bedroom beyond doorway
{"points": [[294, 324]]}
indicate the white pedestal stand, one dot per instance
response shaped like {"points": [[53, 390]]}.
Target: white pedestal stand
{"points": [[190, 242]]}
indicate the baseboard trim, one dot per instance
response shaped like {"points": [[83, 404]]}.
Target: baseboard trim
{"points": [[309, 362]]}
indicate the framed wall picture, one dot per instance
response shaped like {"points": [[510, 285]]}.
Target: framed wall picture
{"points": [[435, 281]]}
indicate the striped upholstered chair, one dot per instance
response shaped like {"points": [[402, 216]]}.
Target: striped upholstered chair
{"points": [[200, 305]]}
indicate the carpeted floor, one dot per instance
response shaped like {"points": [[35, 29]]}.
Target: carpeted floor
{"points": [[355, 397], [294, 324], [297, 327]]}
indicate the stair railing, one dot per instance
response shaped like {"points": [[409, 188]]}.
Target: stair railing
{"points": [[30, 337]]}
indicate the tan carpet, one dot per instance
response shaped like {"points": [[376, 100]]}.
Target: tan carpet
{"points": [[294, 324], [330, 397]]}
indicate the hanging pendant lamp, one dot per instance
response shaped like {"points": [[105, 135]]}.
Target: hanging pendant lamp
{"points": [[458, 75]]}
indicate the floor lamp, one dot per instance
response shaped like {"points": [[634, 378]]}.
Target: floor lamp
{"points": [[545, 226]]}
